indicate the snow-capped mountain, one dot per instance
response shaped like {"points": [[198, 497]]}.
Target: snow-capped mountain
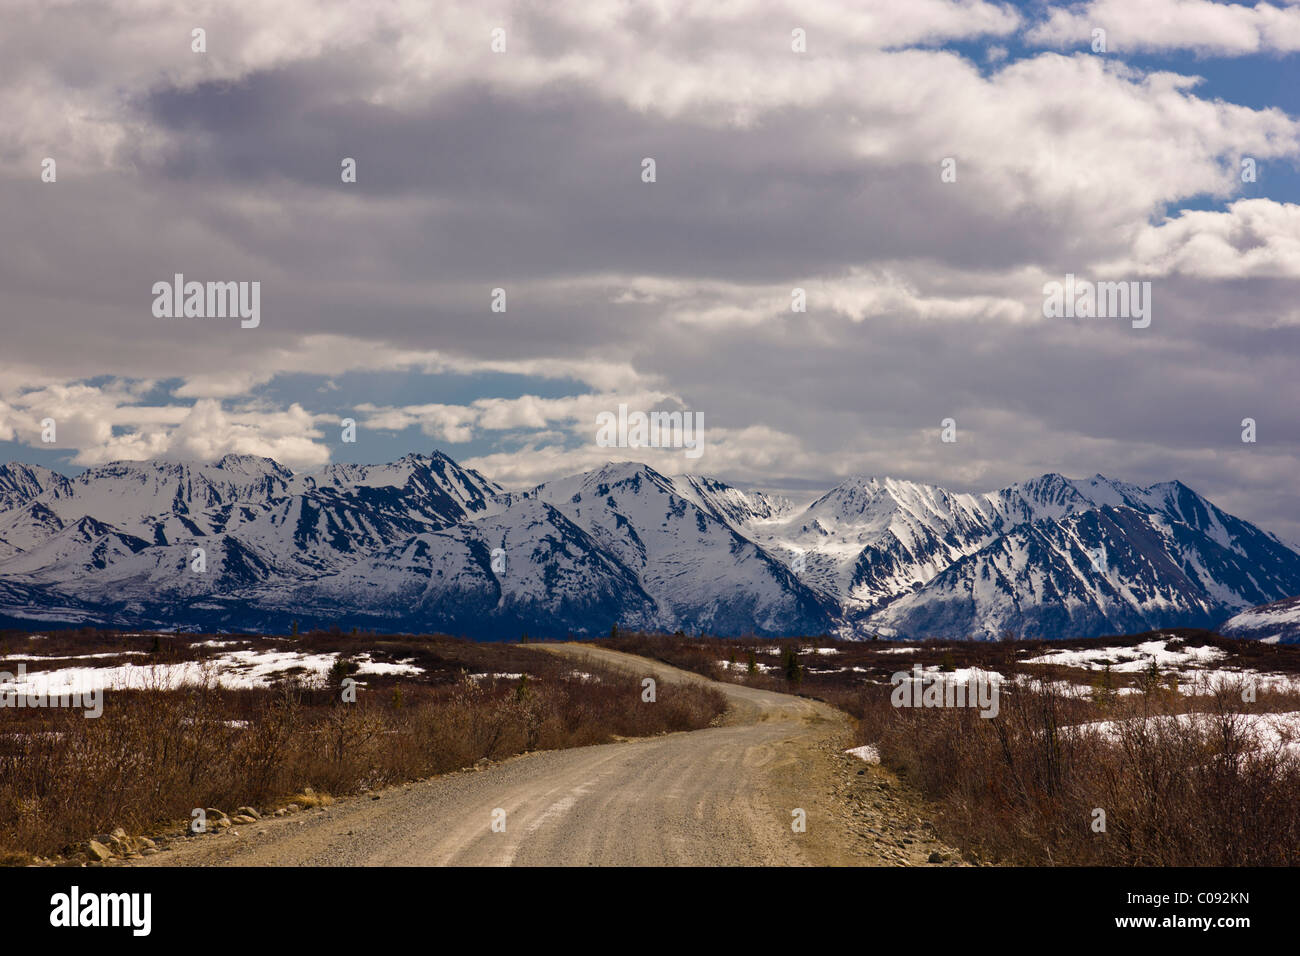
{"points": [[729, 504], [19, 484], [424, 544], [1105, 570], [432, 488], [868, 540], [705, 575], [1277, 622], [549, 575]]}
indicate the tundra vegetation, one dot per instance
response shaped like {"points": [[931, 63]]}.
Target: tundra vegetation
{"points": [[162, 749], [1191, 754]]}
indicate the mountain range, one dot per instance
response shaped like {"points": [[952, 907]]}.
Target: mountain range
{"points": [[423, 544]]}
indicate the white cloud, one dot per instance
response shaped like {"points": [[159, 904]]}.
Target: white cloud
{"points": [[108, 53], [107, 423], [1205, 26], [461, 423], [1252, 238], [819, 170]]}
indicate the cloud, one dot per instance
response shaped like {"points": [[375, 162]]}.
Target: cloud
{"points": [[108, 423], [460, 423], [776, 170], [1252, 238], [1204, 26]]}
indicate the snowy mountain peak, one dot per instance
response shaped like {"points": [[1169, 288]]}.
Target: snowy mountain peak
{"points": [[729, 504], [625, 476], [465, 483], [615, 471], [20, 483], [423, 543], [442, 487], [874, 502], [252, 466]]}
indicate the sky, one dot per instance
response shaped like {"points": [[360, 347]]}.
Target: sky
{"points": [[921, 169]]}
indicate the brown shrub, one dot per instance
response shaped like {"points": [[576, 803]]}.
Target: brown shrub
{"points": [[155, 755]]}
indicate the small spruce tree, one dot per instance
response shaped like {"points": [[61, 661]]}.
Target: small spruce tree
{"points": [[342, 668], [793, 670]]}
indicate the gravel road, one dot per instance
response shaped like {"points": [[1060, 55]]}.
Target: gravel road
{"points": [[715, 797]]}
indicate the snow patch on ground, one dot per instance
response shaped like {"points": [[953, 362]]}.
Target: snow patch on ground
{"points": [[71, 657], [1131, 659], [387, 667], [1188, 665], [1272, 731], [742, 666], [235, 670], [867, 752], [961, 675]]}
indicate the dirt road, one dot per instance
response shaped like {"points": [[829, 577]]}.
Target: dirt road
{"points": [[721, 796]]}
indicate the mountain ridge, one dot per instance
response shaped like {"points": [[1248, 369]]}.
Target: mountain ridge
{"points": [[413, 545]]}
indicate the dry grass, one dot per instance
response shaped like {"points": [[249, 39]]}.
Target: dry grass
{"points": [[1020, 788], [156, 754], [307, 800], [1023, 787]]}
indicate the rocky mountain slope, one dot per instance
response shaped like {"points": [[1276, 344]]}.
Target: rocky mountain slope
{"points": [[424, 544]]}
